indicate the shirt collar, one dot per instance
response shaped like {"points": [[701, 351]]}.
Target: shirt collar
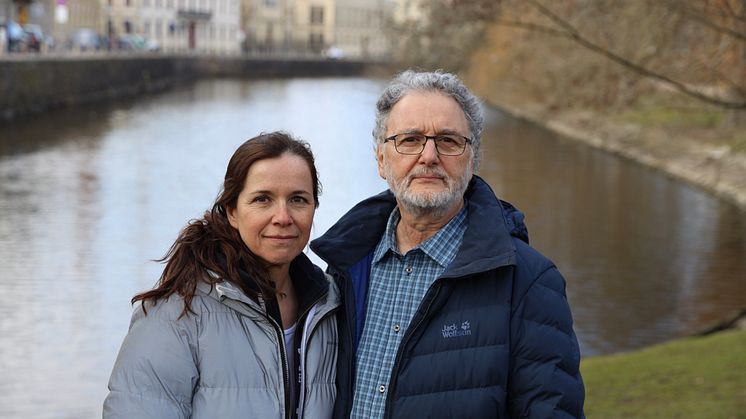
{"points": [[388, 241], [441, 247]]}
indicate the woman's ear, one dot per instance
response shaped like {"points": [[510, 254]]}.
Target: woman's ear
{"points": [[231, 212]]}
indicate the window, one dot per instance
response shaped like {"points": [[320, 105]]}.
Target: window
{"points": [[316, 41], [317, 15]]}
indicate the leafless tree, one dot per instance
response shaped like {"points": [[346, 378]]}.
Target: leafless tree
{"points": [[696, 47], [724, 17]]}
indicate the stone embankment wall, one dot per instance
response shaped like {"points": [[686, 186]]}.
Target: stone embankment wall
{"points": [[35, 84]]}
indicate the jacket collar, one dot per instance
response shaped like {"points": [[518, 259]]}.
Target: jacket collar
{"points": [[309, 280], [357, 233], [487, 242]]}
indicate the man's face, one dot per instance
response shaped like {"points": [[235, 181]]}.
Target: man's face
{"points": [[428, 182]]}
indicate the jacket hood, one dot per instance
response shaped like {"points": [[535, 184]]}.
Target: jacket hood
{"points": [[487, 242]]}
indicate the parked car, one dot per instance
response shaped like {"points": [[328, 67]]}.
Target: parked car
{"points": [[132, 42], [35, 37], [17, 38], [152, 45], [84, 39], [333, 53]]}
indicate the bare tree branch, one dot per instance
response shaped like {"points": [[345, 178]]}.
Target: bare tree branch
{"points": [[724, 12], [732, 13], [739, 89], [571, 30], [572, 33], [697, 15], [531, 26]]}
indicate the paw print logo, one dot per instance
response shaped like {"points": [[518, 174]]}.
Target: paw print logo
{"points": [[465, 325]]}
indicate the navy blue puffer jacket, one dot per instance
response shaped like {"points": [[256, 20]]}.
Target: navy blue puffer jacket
{"points": [[493, 336]]}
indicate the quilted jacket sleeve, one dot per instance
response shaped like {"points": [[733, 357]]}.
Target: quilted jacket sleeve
{"points": [[155, 373], [545, 379]]}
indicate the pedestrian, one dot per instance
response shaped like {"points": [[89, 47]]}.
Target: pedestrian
{"points": [[447, 311], [241, 323], [3, 40]]}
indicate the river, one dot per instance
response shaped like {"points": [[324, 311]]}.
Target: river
{"points": [[89, 196]]}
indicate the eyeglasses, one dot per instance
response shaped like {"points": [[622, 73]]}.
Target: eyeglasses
{"points": [[446, 144]]}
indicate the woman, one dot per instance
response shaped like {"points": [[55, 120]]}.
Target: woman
{"points": [[241, 323]]}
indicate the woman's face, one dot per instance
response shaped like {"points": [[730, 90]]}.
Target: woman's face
{"points": [[274, 211]]}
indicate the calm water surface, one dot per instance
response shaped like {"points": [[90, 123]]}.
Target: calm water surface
{"points": [[89, 196]]}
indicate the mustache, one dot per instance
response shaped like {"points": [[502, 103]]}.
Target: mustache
{"points": [[433, 171]]}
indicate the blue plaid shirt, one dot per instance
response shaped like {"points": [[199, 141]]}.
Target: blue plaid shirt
{"points": [[398, 284]]}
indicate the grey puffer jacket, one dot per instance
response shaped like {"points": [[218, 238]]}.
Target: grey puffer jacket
{"points": [[227, 360]]}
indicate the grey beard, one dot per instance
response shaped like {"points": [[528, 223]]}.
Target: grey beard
{"points": [[434, 204]]}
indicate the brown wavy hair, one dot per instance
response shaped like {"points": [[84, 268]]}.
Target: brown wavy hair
{"points": [[211, 244]]}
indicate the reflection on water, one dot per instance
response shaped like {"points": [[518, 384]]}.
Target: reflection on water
{"points": [[89, 196], [646, 258]]}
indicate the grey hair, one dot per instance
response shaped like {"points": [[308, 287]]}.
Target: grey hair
{"points": [[436, 81]]}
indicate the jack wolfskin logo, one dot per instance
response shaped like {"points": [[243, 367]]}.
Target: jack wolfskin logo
{"points": [[452, 330]]}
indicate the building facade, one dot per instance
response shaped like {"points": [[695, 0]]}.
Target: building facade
{"points": [[58, 19], [360, 28], [7, 11], [268, 26], [313, 24], [336, 28], [204, 26], [408, 11]]}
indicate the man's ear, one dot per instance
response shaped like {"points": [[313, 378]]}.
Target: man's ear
{"points": [[379, 160]]}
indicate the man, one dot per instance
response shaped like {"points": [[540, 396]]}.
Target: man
{"points": [[448, 312]]}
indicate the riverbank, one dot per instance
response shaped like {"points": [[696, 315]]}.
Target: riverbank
{"points": [[696, 377], [693, 144], [31, 84]]}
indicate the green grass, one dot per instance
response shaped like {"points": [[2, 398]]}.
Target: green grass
{"points": [[674, 117], [701, 377], [669, 110]]}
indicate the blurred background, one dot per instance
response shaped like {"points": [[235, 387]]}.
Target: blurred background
{"points": [[648, 226]]}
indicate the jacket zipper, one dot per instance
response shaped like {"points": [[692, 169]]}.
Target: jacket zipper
{"points": [[305, 312], [431, 297], [283, 352], [343, 285], [304, 353], [283, 357], [285, 368]]}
